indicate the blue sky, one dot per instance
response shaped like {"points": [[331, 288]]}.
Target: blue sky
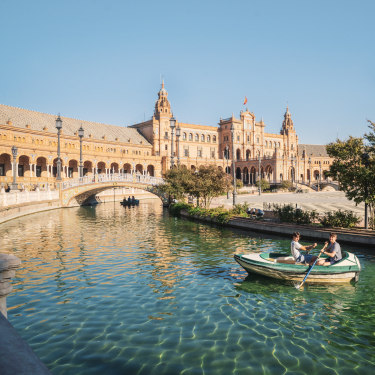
{"points": [[102, 61]]}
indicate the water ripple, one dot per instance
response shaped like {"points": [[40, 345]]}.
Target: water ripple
{"points": [[135, 291]]}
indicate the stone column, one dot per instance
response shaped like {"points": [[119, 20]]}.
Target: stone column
{"points": [[8, 264]]}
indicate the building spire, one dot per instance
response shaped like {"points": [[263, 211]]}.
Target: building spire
{"points": [[287, 123], [162, 105]]}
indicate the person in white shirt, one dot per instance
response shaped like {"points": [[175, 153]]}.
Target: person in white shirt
{"points": [[295, 248]]}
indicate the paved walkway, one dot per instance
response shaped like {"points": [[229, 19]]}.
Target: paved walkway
{"points": [[320, 201]]}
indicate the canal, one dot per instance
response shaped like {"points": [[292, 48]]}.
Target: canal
{"points": [[114, 290]]}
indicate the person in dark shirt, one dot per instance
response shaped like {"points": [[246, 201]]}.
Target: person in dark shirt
{"points": [[332, 249]]}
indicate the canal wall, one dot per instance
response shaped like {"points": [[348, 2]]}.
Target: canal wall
{"points": [[27, 208], [359, 237], [14, 205], [16, 356]]}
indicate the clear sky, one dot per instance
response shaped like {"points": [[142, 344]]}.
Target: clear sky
{"points": [[101, 60]]}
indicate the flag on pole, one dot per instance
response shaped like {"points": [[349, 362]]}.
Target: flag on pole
{"points": [[245, 101]]}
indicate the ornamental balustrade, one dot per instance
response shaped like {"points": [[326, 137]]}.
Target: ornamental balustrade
{"points": [[114, 177]]}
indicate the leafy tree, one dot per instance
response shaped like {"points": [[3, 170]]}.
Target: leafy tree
{"points": [[177, 181], [264, 184], [204, 184], [208, 182], [354, 168]]}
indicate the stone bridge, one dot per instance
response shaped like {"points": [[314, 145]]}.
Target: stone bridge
{"points": [[84, 189], [317, 186]]}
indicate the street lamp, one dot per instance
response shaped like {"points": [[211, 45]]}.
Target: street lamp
{"points": [[172, 124], [178, 134], [309, 171], [226, 156], [58, 164], [13, 185], [320, 175], [365, 160], [259, 175], [233, 166], [294, 165], [81, 133]]}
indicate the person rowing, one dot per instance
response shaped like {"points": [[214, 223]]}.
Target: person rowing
{"points": [[333, 251], [295, 248]]}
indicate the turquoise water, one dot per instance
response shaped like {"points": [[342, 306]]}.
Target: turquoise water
{"points": [[113, 290]]}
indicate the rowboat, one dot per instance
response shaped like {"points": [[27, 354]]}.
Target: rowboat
{"points": [[283, 267], [131, 203]]}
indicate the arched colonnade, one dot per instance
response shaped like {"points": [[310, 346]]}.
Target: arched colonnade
{"points": [[46, 166]]}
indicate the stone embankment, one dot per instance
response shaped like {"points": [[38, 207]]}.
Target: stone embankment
{"points": [[16, 356], [20, 203], [359, 237]]}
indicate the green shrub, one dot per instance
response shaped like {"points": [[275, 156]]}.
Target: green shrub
{"points": [[264, 184], [239, 184], [176, 208], [342, 219], [240, 208], [286, 184], [290, 214]]}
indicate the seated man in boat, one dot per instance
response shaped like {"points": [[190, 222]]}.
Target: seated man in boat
{"points": [[129, 200], [133, 199], [332, 249], [295, 248]]}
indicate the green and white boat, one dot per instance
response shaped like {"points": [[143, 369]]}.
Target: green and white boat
{"points": [[283, 267]]}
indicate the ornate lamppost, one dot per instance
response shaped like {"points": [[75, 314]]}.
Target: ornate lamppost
{"points": [[226, 156], [292, 159], [81, 133], [172, 123], [320, 175], [234, 170], [178, 134], [365, 160], [58, 163], [260, 176], [309, 171], [13, 185]]}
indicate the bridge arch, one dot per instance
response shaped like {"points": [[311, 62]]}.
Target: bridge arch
{"points": [[81, 190]]}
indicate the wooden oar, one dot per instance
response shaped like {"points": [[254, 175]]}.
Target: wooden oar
{"points": [[308, 273]]}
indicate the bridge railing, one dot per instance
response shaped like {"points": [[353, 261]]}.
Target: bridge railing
{"points": [[114, 177]]}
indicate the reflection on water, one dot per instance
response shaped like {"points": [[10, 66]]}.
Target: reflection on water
{"points": [[119, 290]]}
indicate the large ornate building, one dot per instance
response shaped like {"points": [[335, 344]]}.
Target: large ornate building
{"points": [[151, 147]]}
